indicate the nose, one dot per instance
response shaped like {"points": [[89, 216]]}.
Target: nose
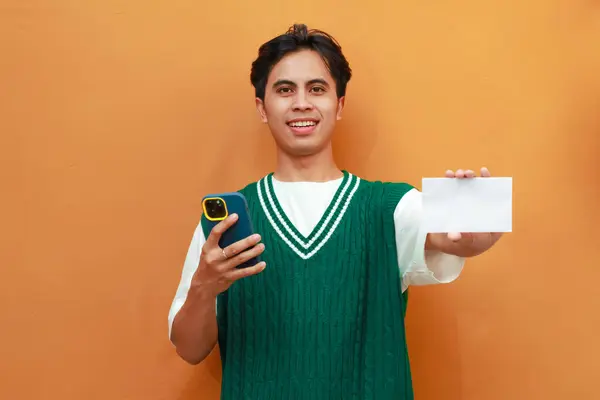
{"points": [[301, 102]]}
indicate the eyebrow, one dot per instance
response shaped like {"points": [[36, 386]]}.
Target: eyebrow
{"points": [[280, 82]]}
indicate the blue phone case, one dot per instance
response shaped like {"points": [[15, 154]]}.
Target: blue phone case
{"points": [[235, 203]]}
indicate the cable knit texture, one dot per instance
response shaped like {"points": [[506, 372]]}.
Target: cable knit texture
{"points": [[325, 319]]}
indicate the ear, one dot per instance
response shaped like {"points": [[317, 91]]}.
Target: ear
{"points": [[260, 107], [340, 108]]}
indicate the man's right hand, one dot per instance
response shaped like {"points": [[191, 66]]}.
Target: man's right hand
{"points": [[217, 268]]}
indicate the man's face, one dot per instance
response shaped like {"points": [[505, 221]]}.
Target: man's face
{"points": [[301, 105]]}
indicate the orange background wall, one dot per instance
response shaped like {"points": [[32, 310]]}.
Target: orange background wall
{"points": [[117, 116]]}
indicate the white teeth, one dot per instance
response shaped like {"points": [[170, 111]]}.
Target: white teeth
{"points": [[303, 123]]}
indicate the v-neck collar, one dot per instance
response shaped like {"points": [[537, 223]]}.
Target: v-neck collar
{"points": [[306, 246]]}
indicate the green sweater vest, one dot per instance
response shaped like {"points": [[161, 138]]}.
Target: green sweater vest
{"points": [[325, 319]]}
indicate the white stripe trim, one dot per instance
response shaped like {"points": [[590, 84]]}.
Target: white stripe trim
{"points": [[337, 221], [274, 225], [279, 217], [325, 223], [303, 255]]}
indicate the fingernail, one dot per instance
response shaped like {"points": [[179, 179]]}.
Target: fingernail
{"points": [[256, 237], [234, 216]]}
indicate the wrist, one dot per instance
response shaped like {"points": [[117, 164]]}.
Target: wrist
{"points": [[203, 292]]}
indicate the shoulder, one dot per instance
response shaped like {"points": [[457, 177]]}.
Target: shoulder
{"points": [[252, 187], [390, 193], [253, 191]]}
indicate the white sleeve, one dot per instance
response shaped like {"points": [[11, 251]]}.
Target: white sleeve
{"points": [[419, 266], [190, 266]]}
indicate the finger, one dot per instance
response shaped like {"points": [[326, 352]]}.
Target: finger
{"points": [[454, 236], [241, 258], [215, 234], [496, 236], [241, 245], [469, 174], [485, 172], [449, 174], [236, 274], [460, 173], [241, 273]]}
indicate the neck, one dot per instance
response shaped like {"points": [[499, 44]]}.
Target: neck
{"points": [[319, 167]]}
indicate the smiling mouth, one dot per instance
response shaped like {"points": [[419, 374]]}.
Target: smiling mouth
{"points": [[302, 124], [303, 127]]}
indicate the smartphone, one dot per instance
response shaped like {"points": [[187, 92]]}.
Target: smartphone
{"points": [[217, 207]]}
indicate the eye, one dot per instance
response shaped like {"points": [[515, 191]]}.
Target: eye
{"points": [[284, 90], [318, 89]]}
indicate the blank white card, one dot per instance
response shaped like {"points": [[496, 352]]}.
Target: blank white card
{"points": [[467, 205]]}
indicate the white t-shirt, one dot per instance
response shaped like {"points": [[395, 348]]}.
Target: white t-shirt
{"points": [[304, 203]]}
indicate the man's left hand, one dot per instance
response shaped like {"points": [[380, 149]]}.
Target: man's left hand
{"points": [[460, 243]]}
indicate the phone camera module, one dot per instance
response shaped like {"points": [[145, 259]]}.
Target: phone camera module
{"points": [[215, 208]]}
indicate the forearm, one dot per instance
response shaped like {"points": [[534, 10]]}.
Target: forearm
{"points": [[195, 331]]}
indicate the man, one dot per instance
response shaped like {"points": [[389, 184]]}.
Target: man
{"points": [[323, 315]]}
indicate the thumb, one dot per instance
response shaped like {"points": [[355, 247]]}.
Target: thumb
{"points": [[454, 236]]}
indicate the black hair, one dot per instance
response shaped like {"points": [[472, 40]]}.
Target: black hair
{"points": [[299, 37]]}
